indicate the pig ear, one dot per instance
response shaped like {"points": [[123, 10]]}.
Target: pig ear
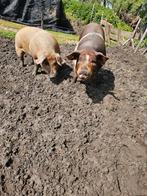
{"points": [[73, 55], [60, 61], [40, 60], [102, 58]]}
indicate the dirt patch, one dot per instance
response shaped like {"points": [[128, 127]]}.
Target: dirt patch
{"points": [[70, 139]]}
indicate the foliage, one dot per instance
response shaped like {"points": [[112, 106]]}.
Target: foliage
{"points": [[143, 11], [135, 7], [143, 44], [88, 12]]}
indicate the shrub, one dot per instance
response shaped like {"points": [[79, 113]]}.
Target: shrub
{"points": [[85, 12]]}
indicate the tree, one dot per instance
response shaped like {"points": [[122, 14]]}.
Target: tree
{"points": [[104, 2]]}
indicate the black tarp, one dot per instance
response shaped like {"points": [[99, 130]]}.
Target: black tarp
{"points": [[33, 12]]}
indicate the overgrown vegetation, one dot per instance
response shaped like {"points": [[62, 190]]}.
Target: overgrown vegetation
{"points": [[143, 44], [88, 12], [134, 7]]}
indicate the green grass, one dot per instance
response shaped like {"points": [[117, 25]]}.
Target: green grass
{"points": [[64, 37], [7, 34], [12, 25], [8, 30]]}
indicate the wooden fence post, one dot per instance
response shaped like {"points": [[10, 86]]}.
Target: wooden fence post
{"points": [[133, 35], [144, 51], [118, 35], [142, 38]]}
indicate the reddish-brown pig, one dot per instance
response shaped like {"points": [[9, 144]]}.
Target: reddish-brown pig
{"points": [[42, 46], [90, 53]]}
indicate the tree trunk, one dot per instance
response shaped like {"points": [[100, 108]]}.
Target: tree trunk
{"points": [[104, 3]]}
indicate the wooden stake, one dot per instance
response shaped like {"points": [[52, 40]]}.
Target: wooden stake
{"points": [[144, 51], [134, 33], [142, 38]]}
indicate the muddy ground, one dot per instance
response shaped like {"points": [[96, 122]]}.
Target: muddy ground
{"points": [[65, 139]]}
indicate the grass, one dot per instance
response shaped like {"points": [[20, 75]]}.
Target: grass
{"points": [[9, 29], [12, 25], [64, 37], [7, 34]]}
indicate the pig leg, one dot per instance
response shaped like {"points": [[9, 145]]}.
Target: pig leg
{"points": [[32, 62], [75, 79], [37, 66], [94, 77], [75, 72], [22, 59], [20, 54]]}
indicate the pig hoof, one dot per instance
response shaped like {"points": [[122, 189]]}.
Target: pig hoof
{"points": [[75, 80], [22, 65]]}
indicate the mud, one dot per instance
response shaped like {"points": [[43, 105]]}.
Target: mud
{"points": [[65, 139]]}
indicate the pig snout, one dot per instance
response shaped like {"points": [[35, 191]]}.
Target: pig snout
{"points": [[53, 72], [52, 75], [83, 75]]}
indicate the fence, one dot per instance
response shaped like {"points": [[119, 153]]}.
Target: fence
{"points": [[123, 37]]}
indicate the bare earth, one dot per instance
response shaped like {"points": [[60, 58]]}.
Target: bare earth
{"points": [[65, 139]]}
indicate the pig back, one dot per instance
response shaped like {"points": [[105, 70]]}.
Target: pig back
{"points": [[23, 37], [43, 42], [91, 28], [92, 42], [92, 38]]}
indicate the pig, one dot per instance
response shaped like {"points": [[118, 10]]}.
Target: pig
{"points": [[43, 48], [90, 53]]}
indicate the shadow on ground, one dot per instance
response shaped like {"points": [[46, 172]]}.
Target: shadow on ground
{"points": [[103, 86], [64, 74]]}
